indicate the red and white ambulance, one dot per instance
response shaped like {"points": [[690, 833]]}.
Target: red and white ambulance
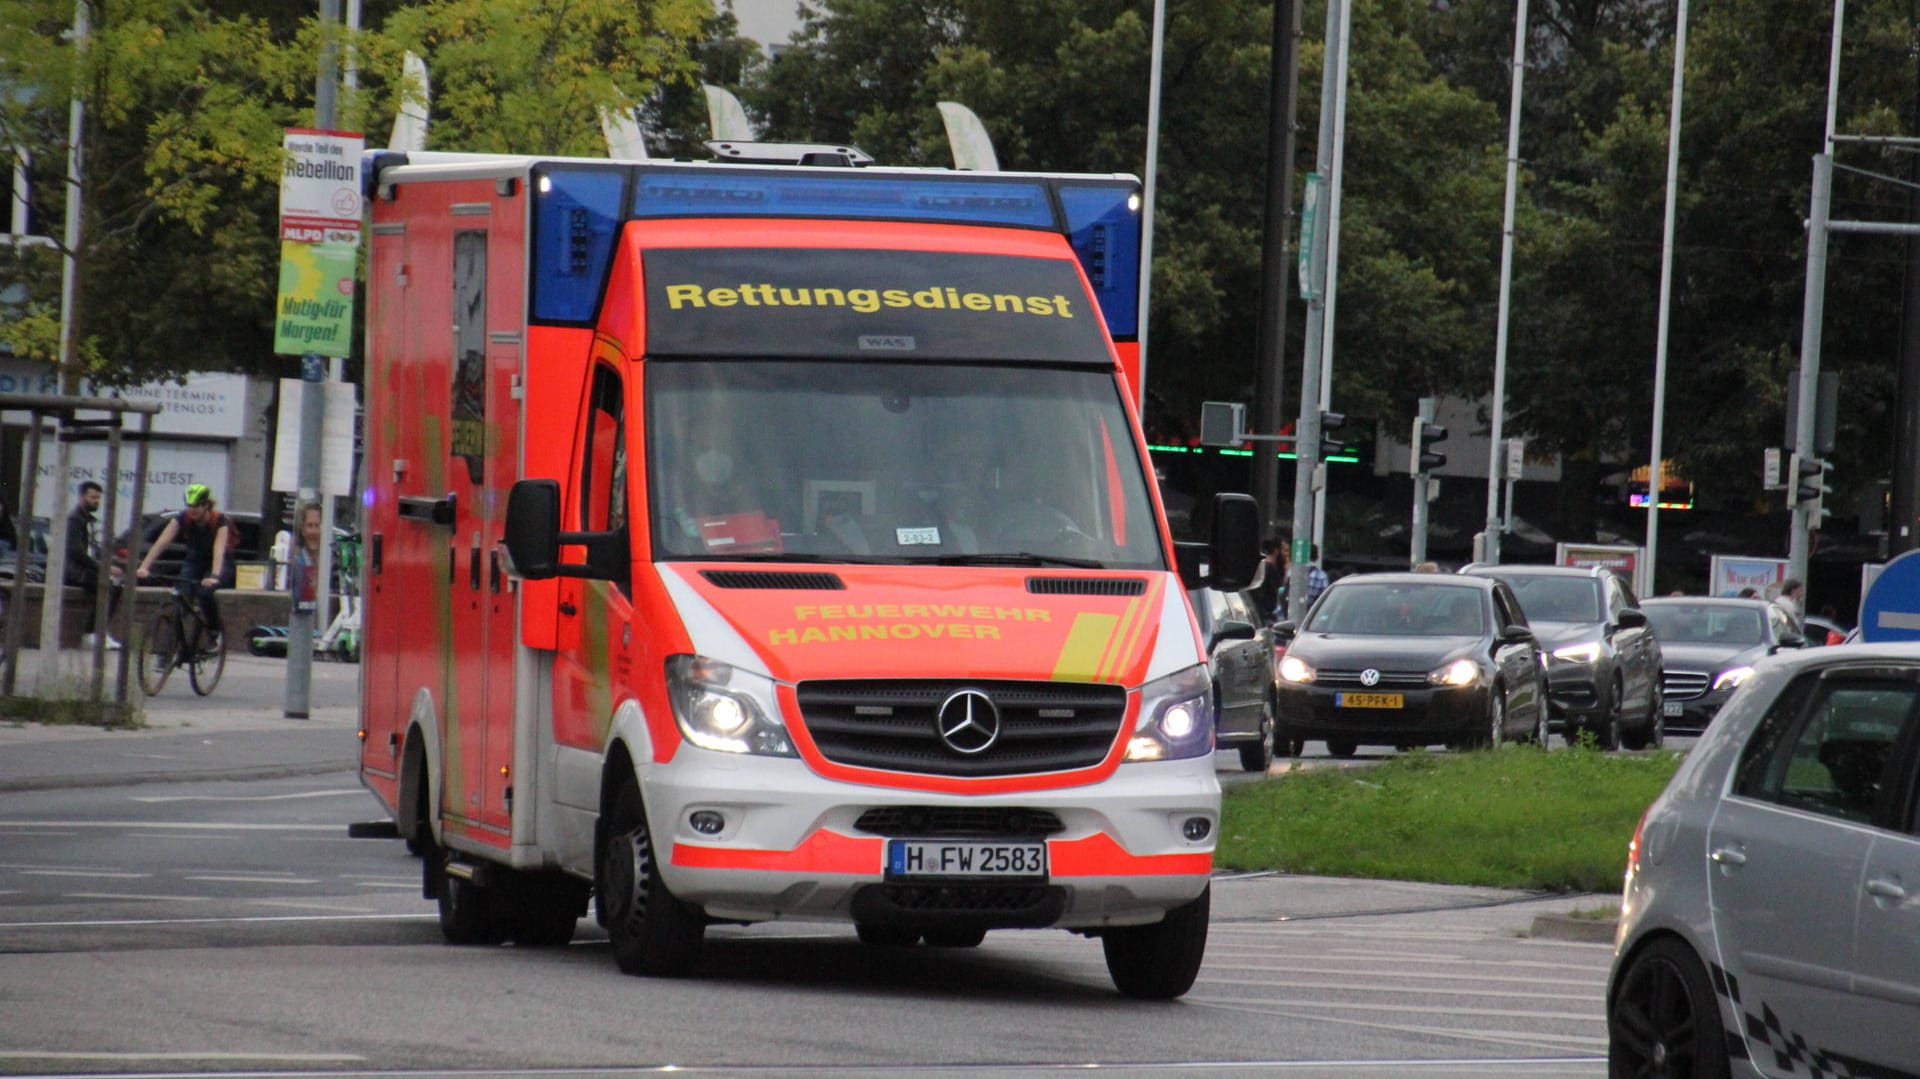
{"points": [[752, 541]]}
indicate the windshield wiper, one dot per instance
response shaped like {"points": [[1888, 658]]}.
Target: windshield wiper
{"points": [[1018, 558]]}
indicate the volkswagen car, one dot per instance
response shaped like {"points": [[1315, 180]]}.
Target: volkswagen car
{"points": [[1411, 659], [1603, 664], [1770, 920], [1708, 647]]}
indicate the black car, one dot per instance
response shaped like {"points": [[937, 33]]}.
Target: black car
{"points": [[1603, 663], [1240, 654], [1412, 659], [248, 543], [1709, 647]]}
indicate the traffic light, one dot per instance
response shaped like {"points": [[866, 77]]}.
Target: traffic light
{"points": [[1329, 423], [1809, 487], [1426, 436]]}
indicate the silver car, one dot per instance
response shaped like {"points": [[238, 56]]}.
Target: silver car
{"points": [[1770, 923]]}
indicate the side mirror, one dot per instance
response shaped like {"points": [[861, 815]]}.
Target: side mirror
{"points": [[1285, 631], [1515, 635], [1792, 640], [1232, 629], [533, 529], [1235, 549], [1632, 618]]}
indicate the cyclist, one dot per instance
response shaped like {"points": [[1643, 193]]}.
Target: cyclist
{"points": [[204, 532]]}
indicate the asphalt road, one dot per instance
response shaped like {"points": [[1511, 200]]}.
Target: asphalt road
{"points": [[222, 928]]}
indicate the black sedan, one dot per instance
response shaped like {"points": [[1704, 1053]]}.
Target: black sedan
{"points": [[1708, 647], [1412, 659], [1240, 653]]}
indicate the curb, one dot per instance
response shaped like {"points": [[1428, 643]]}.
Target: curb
{"points": [[1567, 927], [203, 775]]}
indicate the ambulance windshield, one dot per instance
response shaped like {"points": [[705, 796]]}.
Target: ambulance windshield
{"points": [[908, 462]]}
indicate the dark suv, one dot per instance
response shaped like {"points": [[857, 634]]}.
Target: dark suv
{"points": [[1603, 662]]}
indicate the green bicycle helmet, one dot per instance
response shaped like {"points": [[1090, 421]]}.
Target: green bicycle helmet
{"points": [[199, 494]]}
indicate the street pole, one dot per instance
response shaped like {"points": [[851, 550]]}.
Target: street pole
{"points": [[1903, 497], [1422, 510], [1331, 275], [313, 373], [1306, 430], [1270, 376], [52, 588], [1656, 471], [1812, 310], [1495, 449], [1157, 47]]}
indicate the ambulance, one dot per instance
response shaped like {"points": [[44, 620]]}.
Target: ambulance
{"points": [[773, 538]]}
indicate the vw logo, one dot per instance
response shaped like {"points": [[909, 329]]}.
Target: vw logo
{"points": [[968, 722], [1369, 677]]}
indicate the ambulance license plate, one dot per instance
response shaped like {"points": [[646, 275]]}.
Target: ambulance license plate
{"points": [[913, 858], [1369, 700]]}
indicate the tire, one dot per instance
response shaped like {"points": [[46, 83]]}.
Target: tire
{"points": [[1496, 732], [652, 932], [466, 911], [1540, 737], [1342, 749], [1257, 757], [1608, 729], [158, 650], [549, 911], [1664, 1019], [886, 936], [206, 667], [955, 938], [1160, 961], [1652, 734]]}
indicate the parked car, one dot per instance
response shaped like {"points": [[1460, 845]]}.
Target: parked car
{"points": [[1240, 653], [1821, 632], [1412, 659], [1708, 647], [1603, 664], [1770, 922], [37, 545]]}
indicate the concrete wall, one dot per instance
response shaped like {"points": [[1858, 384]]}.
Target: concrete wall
{"points": [[240, 610]]}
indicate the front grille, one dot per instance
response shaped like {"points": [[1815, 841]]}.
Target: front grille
{"points": [[1086, 586], [987, 905], [955, 822], [1683, 685], [773, 579], [1043, 726], [1349, 678]]}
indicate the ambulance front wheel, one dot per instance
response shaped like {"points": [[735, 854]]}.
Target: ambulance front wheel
{"points": [[652, 932], [1160, 961]]}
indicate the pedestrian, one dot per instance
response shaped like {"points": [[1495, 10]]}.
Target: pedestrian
{"points": [[304, 570], [1316, 577], [84, 556], [205, 532], [1749, 592], [1269, 585], [1792, 599]]}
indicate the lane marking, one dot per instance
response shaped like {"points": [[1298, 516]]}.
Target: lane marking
{"points": [[302, 904], [263, 919], [1431, 976], [110, 874], [237, 879], [125, 895], [1397, 987], [183, 825], [225, 1055], [157, 798], [1415, 1009]]}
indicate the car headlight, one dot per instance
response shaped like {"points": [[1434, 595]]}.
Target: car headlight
{"points": [[1294, 669], [1176, 717], [721, 707], [1732, 677], [1461, 672], [1579, 653]]}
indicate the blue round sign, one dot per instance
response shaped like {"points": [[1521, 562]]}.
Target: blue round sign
{"points": [[1890, 611]]}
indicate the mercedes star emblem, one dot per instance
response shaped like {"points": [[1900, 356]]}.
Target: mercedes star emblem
{"points": [[968, 722]]}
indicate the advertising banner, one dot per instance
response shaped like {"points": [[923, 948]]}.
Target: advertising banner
{"points": [[1727, 575], [1625, 561], [320, 214]]}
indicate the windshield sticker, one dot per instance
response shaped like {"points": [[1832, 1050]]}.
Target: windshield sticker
{"points": [[908, 537], [830, 303]]}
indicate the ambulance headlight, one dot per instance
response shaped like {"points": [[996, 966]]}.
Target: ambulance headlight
{"points": [[1176, 717], [723, 708]]}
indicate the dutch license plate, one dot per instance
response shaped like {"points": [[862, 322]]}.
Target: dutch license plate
{"points": [[1369, 700], [1675, 708], [909, 858]]}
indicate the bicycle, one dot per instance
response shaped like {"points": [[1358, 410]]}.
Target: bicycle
{"points": [[178, 637]]}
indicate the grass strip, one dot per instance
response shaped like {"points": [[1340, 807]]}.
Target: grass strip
{"points": [[1512, 818]]}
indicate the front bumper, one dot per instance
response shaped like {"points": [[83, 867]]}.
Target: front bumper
{"points": [[1573, 693], [1694, 714], [1426, 716], [790, 848]]}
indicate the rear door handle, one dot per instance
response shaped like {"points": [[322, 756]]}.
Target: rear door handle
{"points": [[1729, 856], [1885, 889]]}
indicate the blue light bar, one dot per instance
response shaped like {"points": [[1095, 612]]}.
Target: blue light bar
{"points": [[1019, 203], [576, 218], [1103, 225]]}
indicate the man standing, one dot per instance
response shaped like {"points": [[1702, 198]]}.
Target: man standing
{"points": [[83, 559], [1269, 585], [1316, 577], [1792, 598]]}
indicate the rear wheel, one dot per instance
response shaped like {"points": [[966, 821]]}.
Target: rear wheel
{"points": [[466, 911], [1664, 1020], [208, 663], [1609, 732], [1258, 756], [1160, 961], [158, 650], [1496, 735], [652, 932]]}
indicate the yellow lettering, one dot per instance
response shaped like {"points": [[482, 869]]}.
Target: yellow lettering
{"points": [[935, 629], [747, 295], [1039, 614], [813, 635], [873, 633], [987, 633], [977, 301], [930, 298], [897, 297], [949, 610], [960, 629], [864, 300], [1060, 306], [1004, 613], [906, 632], [829, 297], [1039, 305], [832, 612], [1007, 301], [722, 297], [888, 610], [842, 633], [980, 612], [914, 610], [805, 612], [783, 636], [685, 294], [795, 297]]}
